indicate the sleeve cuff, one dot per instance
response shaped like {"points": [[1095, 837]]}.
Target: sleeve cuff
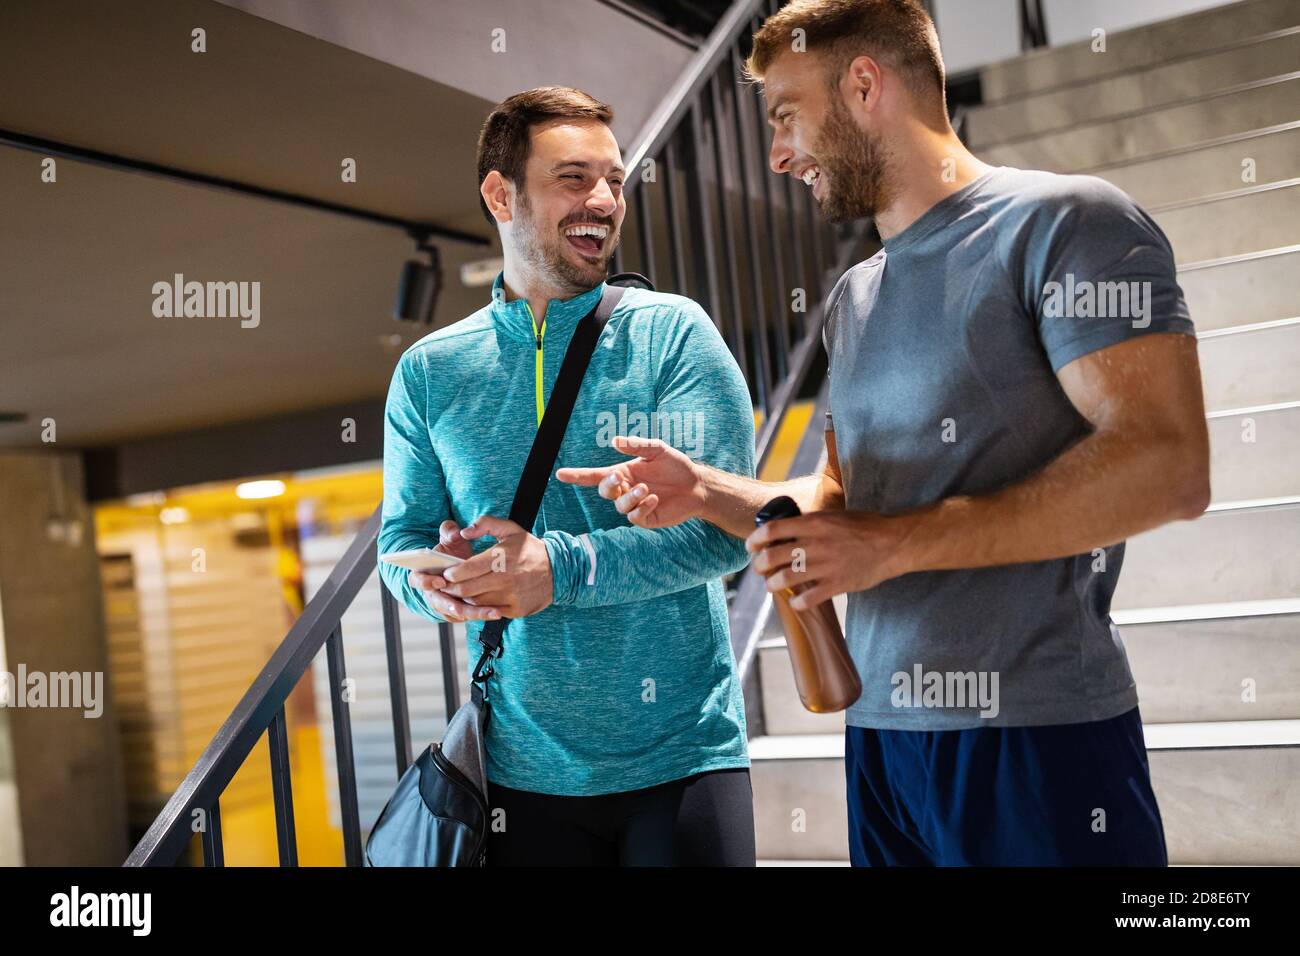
{"points": [[573, 564]]}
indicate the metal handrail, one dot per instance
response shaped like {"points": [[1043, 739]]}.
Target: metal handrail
{"points": [[263, 702], [695, 110], [682, 95]]}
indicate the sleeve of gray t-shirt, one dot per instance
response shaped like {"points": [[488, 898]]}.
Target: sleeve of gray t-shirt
{"points": [[831, 316], [1089, 238]]}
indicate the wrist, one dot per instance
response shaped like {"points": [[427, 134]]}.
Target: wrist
{"points": [[570, 565], [708, 487], [722, 502], [927, 536]]}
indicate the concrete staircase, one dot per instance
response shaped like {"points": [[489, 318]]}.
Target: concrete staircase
{"points": [[1176, 114]]}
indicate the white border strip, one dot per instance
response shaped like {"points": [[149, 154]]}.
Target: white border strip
{"points": [[1223, 734], [1204, 735], [1249, 327], [1227, 610], [1253, 410]]}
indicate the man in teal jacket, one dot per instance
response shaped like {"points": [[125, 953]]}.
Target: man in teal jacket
{"points": [[618, 731]]}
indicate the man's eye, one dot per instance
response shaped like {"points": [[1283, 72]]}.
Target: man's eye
{"points": [[572, 176]]}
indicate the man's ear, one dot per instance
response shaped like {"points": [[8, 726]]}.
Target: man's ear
{"points": [[861, 82], [495, 191]]}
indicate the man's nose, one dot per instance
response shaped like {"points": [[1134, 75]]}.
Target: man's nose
{"points": [[778, 158], [602, 201]]}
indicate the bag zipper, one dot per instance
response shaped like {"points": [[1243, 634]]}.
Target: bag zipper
{"points": [[452, 771]]}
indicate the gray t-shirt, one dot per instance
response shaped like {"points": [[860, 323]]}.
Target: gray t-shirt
{"points": [[943, 352]]}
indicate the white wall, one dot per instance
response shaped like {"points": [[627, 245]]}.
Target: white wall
{"points": [[974, 33], [1071, 20], [579, 43]]}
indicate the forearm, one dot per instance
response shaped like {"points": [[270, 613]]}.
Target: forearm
{"points": [[1107, 487], [635, 564], [730, 501], [397, 580]]}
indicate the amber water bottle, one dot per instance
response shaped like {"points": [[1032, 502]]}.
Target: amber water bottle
{"points": [[824, 673]]}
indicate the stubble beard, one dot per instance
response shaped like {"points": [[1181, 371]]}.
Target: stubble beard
{"points": [[855, 163], [545, 255]]}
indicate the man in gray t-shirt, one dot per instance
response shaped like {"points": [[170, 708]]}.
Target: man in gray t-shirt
{"points": [[944, 349], [1014, 391]]}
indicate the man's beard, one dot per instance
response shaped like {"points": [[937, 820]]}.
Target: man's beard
{"points": [[853, 160], [544, 252]]}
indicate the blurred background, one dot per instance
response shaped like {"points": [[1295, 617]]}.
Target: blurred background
{"points": [[187, 502]]}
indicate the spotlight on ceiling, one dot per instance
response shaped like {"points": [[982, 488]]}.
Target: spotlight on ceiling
{"points": [[418, 288]]}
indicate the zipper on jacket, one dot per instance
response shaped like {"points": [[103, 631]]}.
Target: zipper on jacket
{"points": [[538, 335]]}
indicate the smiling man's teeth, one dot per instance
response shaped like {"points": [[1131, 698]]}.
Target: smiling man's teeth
{"points": [[600, 232], [810, 175]]}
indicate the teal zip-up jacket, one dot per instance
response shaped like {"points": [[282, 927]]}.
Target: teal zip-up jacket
{"points": [[627, 680]]}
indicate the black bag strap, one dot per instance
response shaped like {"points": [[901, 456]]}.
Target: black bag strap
{"points": [[546, 445]]}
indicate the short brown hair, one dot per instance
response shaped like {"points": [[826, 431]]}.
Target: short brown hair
{"points": [[503, 141], [898, 32]]}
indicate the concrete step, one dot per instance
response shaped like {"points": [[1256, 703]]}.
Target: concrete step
{"points": [[1237, 291], [783, 712], [1247, 220], [1136, 48], [1226, 791], [1255, 452], [1242, 663], [1185, 669], [1189, 663], [1161, 83], [1208, 169], [1244, 552], [1253, 366], [1143, 134], [800, 812]]}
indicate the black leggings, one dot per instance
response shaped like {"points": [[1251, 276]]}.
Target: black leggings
{"points": [[702, 820]]}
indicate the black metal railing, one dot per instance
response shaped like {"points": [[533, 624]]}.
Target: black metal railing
{"points": [[1033, 24], [707, 220]]}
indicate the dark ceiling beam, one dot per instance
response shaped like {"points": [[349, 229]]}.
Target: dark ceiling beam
{"points": [[292, 442], [82, 154]]}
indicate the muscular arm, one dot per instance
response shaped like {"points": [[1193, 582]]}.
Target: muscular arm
{"points": [[730, 501], [661, 488], [1145, 463]]}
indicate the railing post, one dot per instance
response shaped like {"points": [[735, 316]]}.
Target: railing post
{"points": [[758, 318], [347, 773], [781, 307], [277, 737], [643, 230], [1033, 25], [213, 850], [728, 234], [450, 672], [669, 168], [396, 680], [699, 202]]}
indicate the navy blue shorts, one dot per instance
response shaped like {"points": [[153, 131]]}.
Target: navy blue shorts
{"points": [[1055, 795]]}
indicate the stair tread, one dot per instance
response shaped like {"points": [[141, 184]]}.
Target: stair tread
{"points": [[1214, 735], [1171, 614], [1206, 612], [1198, 735]]}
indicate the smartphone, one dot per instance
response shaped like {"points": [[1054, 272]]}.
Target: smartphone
{"points": [[421, 559]]}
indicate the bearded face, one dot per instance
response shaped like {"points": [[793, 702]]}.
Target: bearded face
{"points": [[570, 254], [852, 163]]}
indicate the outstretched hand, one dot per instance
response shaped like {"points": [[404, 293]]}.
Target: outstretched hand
{"points": [[657, 488]]}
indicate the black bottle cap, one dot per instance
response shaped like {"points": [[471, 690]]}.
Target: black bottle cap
{"points": [[782, 507]]}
